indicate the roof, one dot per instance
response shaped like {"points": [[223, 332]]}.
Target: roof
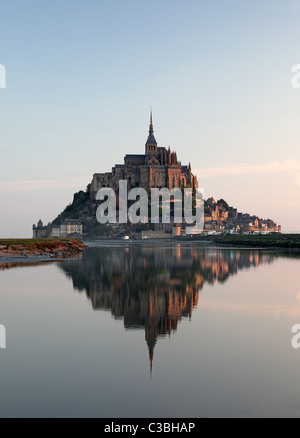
{"points": [[151, 139], [71, 222], [134, 156]]}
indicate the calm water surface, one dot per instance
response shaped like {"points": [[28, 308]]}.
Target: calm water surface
{"points": [[151, 330]]}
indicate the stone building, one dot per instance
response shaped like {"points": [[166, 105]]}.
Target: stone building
{"points": [[220, 217], [157, 167], [66, 228], [71, 226], [39, 231], [55, 231]]}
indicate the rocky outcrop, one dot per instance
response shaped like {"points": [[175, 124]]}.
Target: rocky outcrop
{"points": [[46, 248]]}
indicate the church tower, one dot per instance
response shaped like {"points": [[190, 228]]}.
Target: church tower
{"points": [[151, 145]]}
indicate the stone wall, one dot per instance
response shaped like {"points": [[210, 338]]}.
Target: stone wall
{"points": [[155, 234]]}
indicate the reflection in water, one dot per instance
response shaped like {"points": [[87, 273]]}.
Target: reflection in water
{"points": [[153, 287], [10, 265], [34, 261]]}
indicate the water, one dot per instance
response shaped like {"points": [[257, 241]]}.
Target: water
{"points": [[151, 330]]}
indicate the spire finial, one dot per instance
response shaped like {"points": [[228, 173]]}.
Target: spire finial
{"points": [[151, 144], [151, 122]]}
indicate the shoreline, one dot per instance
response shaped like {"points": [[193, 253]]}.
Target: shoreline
{"points": [[39, 250], [224, 245], [23, 251], [276, 241]]}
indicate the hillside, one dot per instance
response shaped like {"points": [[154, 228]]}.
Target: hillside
{"points": [[219, 217]]}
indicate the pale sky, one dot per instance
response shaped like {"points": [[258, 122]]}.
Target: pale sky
{"points": [[81, 76]]}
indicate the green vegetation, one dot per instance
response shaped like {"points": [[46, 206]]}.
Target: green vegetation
{"points": [[288, 241], [21, 246], [95, 229], [79, 207], [224, 203], [35, 242], [264, 240]]}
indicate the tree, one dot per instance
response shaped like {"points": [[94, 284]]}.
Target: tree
{"points": [[224, 203]]}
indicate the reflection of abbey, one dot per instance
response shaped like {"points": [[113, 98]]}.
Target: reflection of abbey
{"points": [[153, 287], [158, 167]]}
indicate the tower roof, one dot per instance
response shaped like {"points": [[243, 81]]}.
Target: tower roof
{"points": [[151, 345], [151, 138]]}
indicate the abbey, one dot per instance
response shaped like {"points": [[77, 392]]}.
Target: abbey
{"points": [[158, 167]]}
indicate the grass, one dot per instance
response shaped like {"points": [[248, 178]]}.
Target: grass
{"points": [[37, 243], [290, 241]]}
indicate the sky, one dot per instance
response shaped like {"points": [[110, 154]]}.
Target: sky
{"points": [[81, 77]]}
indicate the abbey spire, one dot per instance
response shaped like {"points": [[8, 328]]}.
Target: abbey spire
{"points": [[151, 123], [151, 144], [157, 167]]}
